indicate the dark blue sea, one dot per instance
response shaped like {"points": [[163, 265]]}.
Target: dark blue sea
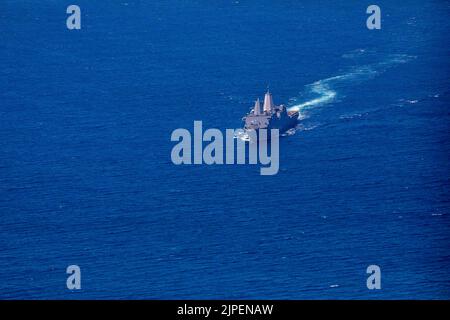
{"points": [[86, 176]]}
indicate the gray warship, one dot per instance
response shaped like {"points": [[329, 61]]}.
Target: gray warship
{"points": [[270, 117]]}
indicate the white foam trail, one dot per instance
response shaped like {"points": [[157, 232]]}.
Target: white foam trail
{"points": [[325, 89], [325, 95]]}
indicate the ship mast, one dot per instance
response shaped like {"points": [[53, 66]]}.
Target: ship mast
{"points": [[268, 102], [257, 108]]}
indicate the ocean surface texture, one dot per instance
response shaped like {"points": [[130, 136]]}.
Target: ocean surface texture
{"points": [[86, 176]]}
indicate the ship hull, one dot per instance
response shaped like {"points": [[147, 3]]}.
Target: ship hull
{"points": [[284, 124]]}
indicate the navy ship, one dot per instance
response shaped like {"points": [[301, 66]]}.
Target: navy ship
{"points": [[270, 117]]}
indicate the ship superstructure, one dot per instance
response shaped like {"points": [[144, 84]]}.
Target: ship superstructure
{"points": [[270, 116]]}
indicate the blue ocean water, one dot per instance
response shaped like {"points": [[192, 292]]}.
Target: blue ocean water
{"points": [[86, 176]]}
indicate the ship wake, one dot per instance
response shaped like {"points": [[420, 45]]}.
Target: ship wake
{"points": [[326, 91]]}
